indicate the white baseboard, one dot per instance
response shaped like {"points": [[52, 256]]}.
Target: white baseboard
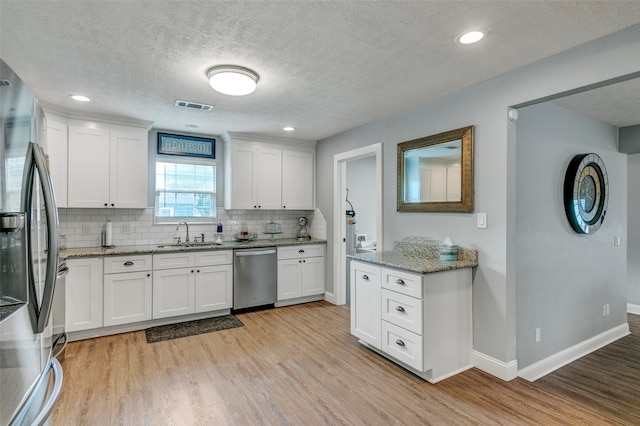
{"points": [[330, 297], [500, 369], [562, 358], [633, 309]]}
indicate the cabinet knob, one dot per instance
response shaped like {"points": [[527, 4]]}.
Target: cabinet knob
{"points": [[399, 281], [365, 277], [192, 271], [106, 205], [399, 342], [198, 271], [399, 309], [284, 207], [255, 207], [112, 205], [128, 263], [148, 275]]}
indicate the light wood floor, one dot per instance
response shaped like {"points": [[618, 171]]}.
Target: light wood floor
{"points": [[289, 366]]}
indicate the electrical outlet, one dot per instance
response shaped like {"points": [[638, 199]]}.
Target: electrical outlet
{"points": [[616, 241], [537, 334], [86, 229], [605, 310], [126, 228], [361, 237]]}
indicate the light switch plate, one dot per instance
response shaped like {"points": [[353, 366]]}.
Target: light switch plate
{"points": [[482, 220]]}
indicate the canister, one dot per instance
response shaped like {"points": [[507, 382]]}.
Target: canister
{"points": [[448, 253]]}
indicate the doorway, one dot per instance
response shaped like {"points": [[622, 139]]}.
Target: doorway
{"points": [[374, 199]]}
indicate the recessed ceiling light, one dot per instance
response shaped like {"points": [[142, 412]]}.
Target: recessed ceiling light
{"points": [[79, 98], [470, 37], [232, 80], [288, 129]]}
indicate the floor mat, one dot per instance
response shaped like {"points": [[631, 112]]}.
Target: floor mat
{"points": [[191, 328]]}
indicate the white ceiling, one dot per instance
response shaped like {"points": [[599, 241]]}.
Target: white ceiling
{"points": [[324, 67]]}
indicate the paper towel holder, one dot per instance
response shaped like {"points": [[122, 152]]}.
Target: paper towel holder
{"points": [[104, 241]]}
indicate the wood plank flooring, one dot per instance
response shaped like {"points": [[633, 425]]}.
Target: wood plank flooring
{"points": [[607, 380], [290, 366]]}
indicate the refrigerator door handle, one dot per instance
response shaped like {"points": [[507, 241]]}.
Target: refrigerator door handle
{"points": [[36, 161], [47, 407]]}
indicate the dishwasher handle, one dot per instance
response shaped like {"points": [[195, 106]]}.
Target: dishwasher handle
{"points": [[254, 253]]}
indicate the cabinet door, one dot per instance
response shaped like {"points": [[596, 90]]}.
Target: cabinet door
{"points": [[127, 298], [88, 173], [312, 276], [128, 169], [214, 288], [297, 180], [269, 179], [289, 286], [173, 292], [366, 303], [83, 294], [243, 177], [57, 152]]}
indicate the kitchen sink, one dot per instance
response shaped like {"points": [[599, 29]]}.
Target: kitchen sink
{"points": [[186, 245]]}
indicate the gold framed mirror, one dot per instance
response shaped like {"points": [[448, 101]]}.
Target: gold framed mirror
{"points": [[435, 173]]}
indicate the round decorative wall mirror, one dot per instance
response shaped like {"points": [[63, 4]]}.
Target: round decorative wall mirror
{"points": [[586, 193]]}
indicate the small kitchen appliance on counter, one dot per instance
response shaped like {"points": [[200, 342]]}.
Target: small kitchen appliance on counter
{"points": [[303, 229]]}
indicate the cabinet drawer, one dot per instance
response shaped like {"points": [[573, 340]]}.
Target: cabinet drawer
{"points": [[302, 251], [402, 282], [118, 264], [174, 260], [403, 345], [216, 257], [402, 310]]}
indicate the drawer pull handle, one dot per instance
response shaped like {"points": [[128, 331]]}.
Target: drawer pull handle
{"points": [[300, 251], [399, 281], [399, 309], [399, 342], [365, 277], [128, 263]]}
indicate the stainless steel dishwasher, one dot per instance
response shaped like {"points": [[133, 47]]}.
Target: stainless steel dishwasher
{"points": [[254, 277]]}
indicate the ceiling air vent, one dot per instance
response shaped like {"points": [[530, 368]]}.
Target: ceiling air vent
{"points": [[5, 83], [194, 105]]}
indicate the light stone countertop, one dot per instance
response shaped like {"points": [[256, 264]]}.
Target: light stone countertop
{"points": [[70, 253], [420, 264]]}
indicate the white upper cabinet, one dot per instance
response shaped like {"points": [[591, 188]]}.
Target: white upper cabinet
{"points": [[268, 175], [56, 148], [107, 166], [297, 180]]}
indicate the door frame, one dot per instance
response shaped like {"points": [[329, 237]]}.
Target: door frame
{"points": [[339, 206]]}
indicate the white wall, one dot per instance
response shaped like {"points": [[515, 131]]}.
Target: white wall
{"points": [[563, 279], [633, 231], [361, 180], [484, 106]]}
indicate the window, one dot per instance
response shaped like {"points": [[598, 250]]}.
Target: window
{"points": [[185, 190]]}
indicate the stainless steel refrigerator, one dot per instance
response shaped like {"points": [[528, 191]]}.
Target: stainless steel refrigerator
{"points": [[30, 378]]}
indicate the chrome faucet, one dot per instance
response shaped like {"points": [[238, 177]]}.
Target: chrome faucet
{"points": [[185, 224]]}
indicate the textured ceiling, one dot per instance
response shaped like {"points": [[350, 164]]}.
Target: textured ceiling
{"points": [[324, 67]]}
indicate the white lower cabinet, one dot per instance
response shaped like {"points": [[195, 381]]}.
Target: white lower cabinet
{"points": [[365, 303], [83, 294], [195, 282], [127, 295], [174, 292], [214, 288], [421, 321], [301, 271], [127, 298]]}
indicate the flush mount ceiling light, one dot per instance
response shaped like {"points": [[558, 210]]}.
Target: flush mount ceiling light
{"points": [[288, 129], [470, 37], [79, 98], [232, 80]]}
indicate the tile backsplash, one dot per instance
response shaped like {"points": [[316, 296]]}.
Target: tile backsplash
{"points": [[83, 227]]}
